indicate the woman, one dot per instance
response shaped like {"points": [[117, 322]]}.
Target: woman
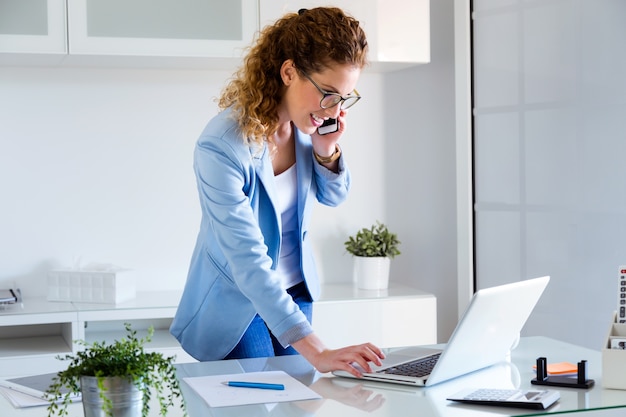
{"points": [[260, 165]]}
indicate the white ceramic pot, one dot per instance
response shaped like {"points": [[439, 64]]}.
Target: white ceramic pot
{"points": [[371, 273]]}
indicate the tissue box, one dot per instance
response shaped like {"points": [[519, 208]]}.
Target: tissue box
{"points": [[614, 357], [112, 286]]}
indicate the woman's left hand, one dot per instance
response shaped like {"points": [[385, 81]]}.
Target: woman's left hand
{"points": [[324, 145]]}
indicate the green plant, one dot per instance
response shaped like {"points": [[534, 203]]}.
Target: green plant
{"points": [[375, 241], [124, 358]]}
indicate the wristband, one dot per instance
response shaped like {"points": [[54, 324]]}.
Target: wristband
{"points": [[328, 159]]}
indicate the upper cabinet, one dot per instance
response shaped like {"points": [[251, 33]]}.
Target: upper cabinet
{"points": [[398, 31], [33, 26], [127, 32], [181, 28], [207, 33]]}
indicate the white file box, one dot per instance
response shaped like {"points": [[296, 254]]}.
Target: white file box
{"points": [[113, 286], [614, 357]]}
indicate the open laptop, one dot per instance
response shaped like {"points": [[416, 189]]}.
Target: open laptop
{"points": [[484, 336]]}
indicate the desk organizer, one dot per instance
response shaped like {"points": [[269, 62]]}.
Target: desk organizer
{"points": [[115, 286], [614, 357]]}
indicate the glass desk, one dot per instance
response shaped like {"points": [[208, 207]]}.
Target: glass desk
{"points": [[349, 397]]}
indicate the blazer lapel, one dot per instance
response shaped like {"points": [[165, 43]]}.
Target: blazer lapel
{"points": [[265, 172]]}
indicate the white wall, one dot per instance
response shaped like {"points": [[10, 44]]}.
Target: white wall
{"points": [[95, 166], [421, 172]]}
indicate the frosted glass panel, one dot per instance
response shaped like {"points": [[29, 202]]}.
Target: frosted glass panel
{"points": [[550, 156], [603, 58], [552, 245], [497, 164], [501, 240], [496, 60], [24, 17], [603, 170], [166, 19], [551, 51]]}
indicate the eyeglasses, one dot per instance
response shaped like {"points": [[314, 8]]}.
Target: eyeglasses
{"points": [[332, 99]]}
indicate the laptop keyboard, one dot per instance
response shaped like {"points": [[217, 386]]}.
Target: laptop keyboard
{"points": [[417, 368]]}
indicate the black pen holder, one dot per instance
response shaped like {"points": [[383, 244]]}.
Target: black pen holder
{"points": [[580, 381]]}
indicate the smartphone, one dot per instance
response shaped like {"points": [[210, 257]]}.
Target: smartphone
{"points": [[329, 126]]}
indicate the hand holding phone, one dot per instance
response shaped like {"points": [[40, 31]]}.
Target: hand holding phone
{"points": [[329, 126]]}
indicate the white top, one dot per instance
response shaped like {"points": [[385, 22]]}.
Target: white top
{"points": [[289, 261]]}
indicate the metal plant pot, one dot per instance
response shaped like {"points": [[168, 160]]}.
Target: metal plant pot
{"points": [[126, 398]]}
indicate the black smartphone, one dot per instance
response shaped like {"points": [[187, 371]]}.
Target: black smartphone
{"points": [[329, 126]]}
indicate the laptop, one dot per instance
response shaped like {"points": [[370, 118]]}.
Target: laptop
{"points": [[484, 336]]}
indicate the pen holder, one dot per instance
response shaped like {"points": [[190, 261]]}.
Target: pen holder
{"points": [[614, 356], [581, 380]]}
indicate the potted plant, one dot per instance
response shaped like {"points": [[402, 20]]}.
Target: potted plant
{"points": [[116, 379], [372, 248]]}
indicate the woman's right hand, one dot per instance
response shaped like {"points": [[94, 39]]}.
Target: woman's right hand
{"points": [[345, 359]]}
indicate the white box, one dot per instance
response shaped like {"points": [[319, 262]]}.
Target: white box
{"points": [[114, 286], [614, 360]]}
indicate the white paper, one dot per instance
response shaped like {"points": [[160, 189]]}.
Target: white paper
{"points": [[21, 400], [215, 394]]}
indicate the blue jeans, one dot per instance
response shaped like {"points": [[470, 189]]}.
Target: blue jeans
{"points": [[258, 341]]}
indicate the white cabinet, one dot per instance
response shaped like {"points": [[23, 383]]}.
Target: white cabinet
{"points": [[33, 335], [189, 33], [35, 27], [183, 28], [398, 316], [105, 322], [195, 32], [398, 32]]}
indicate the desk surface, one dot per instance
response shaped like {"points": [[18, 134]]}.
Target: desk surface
{"points": [[347, 397]]}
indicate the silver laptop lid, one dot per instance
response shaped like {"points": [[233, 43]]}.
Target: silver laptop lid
{"points": [[490, 325]]}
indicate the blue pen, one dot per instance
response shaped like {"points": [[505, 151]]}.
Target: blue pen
{"points": [[261, 385]]}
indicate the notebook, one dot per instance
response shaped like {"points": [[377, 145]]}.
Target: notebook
{"points": [[484, 336], [34, 385]]}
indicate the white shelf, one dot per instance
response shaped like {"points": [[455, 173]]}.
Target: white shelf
{"points": [[34, 340], [25, 347], [32, 336]]}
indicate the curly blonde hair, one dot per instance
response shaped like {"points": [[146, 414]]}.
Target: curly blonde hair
{"points": [[313, 39]]}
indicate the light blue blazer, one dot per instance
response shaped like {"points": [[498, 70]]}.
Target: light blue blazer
{"points": [[232, 272]]}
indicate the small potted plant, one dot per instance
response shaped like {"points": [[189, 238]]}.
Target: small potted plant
{"points": [[373, 248], [116, 379]]}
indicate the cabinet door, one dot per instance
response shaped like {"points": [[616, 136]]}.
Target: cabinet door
{"points": [[177, 28], [398, 31], [33, 26], [386, 322]]}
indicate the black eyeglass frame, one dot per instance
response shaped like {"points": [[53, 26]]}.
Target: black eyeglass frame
{"points": [[338, 97]]}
